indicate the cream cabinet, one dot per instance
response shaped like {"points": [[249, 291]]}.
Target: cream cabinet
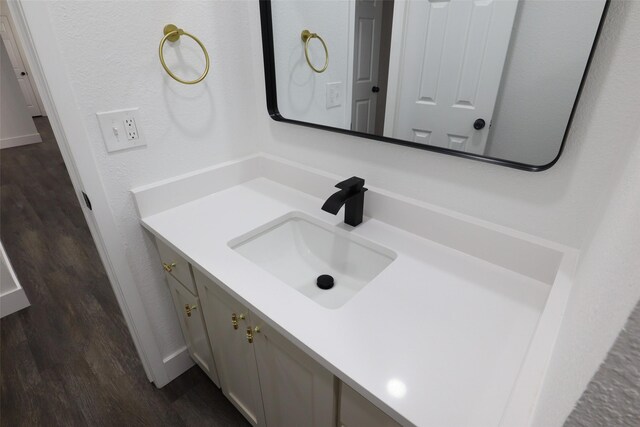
{"points": [[356, 411], [265, 376], [187, 304]]}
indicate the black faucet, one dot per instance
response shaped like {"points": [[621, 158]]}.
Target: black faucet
{"points": [[351, 195]]}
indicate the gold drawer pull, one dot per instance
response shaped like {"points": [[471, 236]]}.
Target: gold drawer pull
{"points": [[168, 267], [234, 319], [189, 308], [250, 333]]}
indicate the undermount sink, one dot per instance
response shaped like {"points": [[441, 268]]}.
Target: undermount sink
{"points": [[297, 248]]}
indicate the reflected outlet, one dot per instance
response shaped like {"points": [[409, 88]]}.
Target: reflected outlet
{"points": [[334, 94]]}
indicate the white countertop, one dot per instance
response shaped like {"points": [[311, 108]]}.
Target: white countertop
{"points": [[437, 339]]}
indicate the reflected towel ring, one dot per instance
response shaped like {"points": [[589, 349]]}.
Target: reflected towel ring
{"points": [[173, 33], [306, 38]]}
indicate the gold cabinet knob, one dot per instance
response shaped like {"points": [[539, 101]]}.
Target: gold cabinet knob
{"points": [[189, 308], [235, 318], [168, 267], [250, 333]]}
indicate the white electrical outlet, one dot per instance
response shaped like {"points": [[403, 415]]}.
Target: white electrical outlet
{"points": [[120, 129], [131, 129], [334, 94]]}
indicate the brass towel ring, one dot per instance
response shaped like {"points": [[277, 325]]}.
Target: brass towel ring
{"points": [[173, 33], [306, 38]]}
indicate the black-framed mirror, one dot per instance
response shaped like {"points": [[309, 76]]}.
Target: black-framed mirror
{"points": [[489, 80]]}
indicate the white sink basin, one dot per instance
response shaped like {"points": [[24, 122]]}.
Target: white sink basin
{"points": [[297, 248]]}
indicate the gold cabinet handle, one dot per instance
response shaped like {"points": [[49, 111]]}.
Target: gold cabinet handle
{"points": [[249, 335], [235, 318], [189, 308], [168, 267]]}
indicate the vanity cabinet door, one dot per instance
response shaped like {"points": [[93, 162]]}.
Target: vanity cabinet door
{"points": [[356, 411], [296, 390], [193, 329], [234, 355]]}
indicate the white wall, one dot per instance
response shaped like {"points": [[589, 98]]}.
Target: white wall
{"points": [[549, 48], [301, 91], [608, 282], [112, 62], [16, 125]]}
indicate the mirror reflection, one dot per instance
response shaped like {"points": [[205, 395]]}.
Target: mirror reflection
{"points": [[495, 78]]}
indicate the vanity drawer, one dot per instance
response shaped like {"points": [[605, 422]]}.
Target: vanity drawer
{"points": [[176, 266]]}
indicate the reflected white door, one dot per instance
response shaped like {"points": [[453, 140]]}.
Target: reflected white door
{"points": [[18, 65], [368, 20], [452, 57]]}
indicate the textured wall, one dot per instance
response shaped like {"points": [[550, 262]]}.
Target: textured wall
{"points": [[111, 52], [613, 395], [607, 283]]}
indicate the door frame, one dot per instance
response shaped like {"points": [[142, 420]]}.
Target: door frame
{"points": [[38, 99], [33, 26]]}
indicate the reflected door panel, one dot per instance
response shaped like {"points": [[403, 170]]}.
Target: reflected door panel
{"points": [[452, 57], [368, 18]]}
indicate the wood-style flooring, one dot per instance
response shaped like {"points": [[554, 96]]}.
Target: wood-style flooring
{"points": [[68, 359]]}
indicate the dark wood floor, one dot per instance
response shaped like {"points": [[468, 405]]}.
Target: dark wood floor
{"points": [[68, 359]]}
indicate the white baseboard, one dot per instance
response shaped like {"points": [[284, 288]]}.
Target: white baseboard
{"points": [[13, 301], [12, 297], [17, 141], [176, 364]]}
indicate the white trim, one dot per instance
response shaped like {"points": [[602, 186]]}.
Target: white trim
{"points": [[49, 74], [14, 299], [395, 59], [17, 141], [178, 362]]}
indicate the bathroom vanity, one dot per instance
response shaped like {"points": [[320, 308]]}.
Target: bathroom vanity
{"points": [[435, 318]]}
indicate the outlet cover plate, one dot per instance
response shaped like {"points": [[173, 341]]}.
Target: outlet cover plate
{"points": [[114, 131], [334, 94]]}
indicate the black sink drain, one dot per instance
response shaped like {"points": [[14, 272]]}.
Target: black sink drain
{"points": [[325, 281]]}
